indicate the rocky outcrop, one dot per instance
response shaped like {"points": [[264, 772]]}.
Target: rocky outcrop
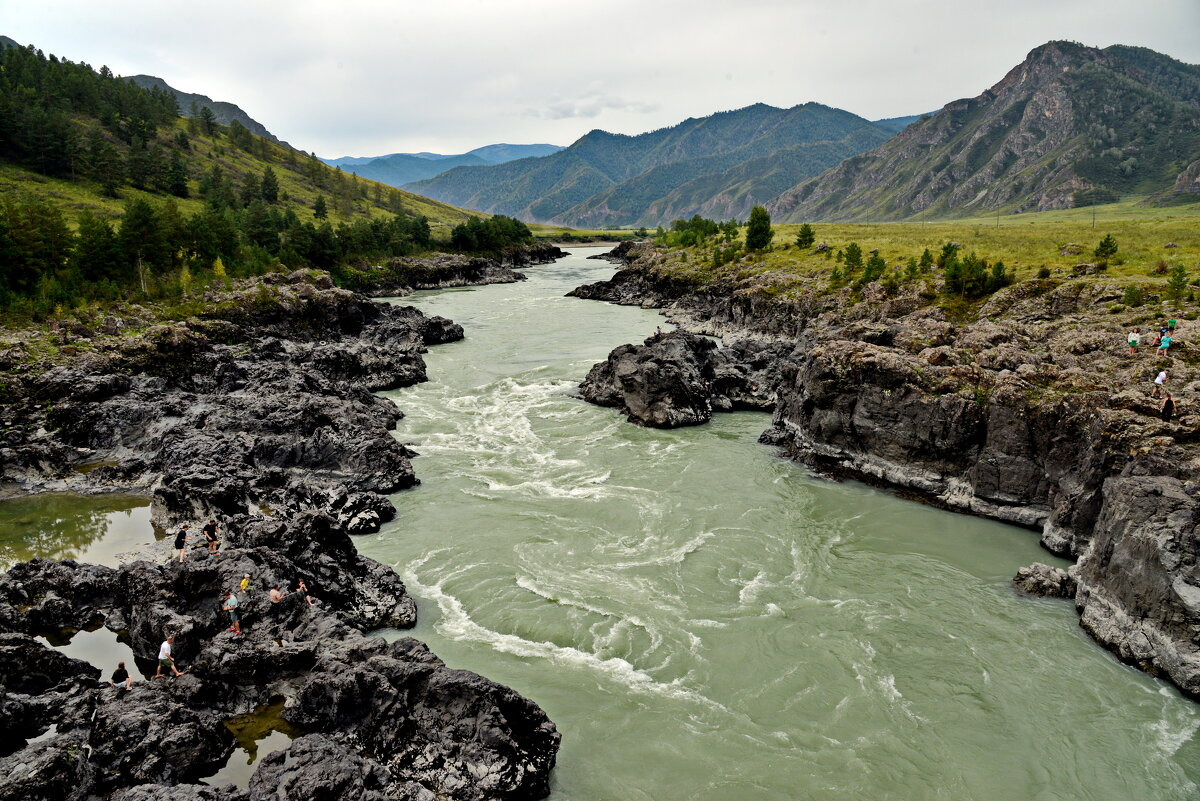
{"points": [[680, 379], [1044, 580], [259, 413], [404, 275], [1034, 414]]}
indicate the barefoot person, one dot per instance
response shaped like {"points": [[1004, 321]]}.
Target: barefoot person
{"points": [[165, 660], [121, 678]]}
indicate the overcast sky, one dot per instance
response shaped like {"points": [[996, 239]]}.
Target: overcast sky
{"points": [[369, 77]]}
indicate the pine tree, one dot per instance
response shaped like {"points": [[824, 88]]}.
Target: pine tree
{"points": [[1107, 247], [270, 186], [177, 176], [320, 209], [758, 230], [805, 237], [853, 258]]}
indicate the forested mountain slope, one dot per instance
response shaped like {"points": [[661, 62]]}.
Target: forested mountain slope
{"points": [[1069, 126], [721, 164]]}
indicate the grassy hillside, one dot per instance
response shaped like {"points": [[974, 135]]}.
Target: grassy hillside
{"points": [[1052, 244]]}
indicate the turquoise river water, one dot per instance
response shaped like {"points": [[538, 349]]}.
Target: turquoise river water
{"points": [[704, 620]]}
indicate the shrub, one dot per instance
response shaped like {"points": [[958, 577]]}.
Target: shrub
{"points": [[1132, 296]]}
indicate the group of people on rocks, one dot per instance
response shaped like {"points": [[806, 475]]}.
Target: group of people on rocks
{"points": [[122, 680], [1162, 344]]}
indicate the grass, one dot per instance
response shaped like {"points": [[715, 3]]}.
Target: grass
{"points": [[300, 181], [544, 231]]}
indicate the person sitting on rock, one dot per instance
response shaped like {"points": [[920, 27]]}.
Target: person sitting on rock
{"points": [[658, 332], [210, 535], [1164, 344], [181, 540], [165, 660], [276, 594], [1135, 339], [1160, 383], [1167, 410], [121, 678], [302, 587], [231, 606], [245, 584]]}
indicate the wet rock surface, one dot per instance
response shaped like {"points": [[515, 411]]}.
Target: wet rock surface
{"points": [[1033, 413], [257, 413]]}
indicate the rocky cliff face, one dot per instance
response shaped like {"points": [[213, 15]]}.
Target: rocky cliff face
{"points": [[258, 413], [1034, 415], [403, 276], [1067, 123]]}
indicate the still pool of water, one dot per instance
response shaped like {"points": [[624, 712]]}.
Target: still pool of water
{"points": [[100, 529], [704, 620]]}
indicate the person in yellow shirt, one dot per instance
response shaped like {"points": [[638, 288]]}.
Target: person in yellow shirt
{"points": [[245, 585]]}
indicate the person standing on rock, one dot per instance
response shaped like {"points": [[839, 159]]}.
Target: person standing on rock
{"points": [[1160, 383], [210, 535], [1164, 345], [1167, 410], [1135, 339], [165, 660], [231, 606], [181, 540], [121, 678]]}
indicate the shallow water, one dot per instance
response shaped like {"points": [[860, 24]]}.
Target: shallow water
{"points": [[90, 528], [704, 620]]}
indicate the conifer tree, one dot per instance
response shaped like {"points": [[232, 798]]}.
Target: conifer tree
{"points": [[758, 230]]}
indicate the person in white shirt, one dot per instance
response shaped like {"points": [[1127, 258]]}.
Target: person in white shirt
{"points": [[165, 660]]}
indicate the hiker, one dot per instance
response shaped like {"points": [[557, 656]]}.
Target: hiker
{"points": [[181, 540], [1160, 383], [1164, 344], [1135, 339], [1168, 408], [231, 606], [210, 534], [1171, 327], [302, 587], [120, 677], [245, 584], [276, 594], [165, 660]]}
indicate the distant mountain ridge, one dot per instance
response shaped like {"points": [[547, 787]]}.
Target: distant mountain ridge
{"points": [[719, 165], [398, 169], [1069, 126], [225, 112]]}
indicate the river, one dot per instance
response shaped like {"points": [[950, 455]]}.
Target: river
{"points": [[705, 620]]}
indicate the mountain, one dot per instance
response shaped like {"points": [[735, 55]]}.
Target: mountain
{"points": [[225, 112], [499, 154], [717, 165], [398, 169], [898, 124], [404, 168], [1069, 126]]}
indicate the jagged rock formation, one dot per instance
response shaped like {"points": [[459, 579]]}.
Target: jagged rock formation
{"points": [[680, 379], [259, 413], [1069, 126], [1034, 414]]}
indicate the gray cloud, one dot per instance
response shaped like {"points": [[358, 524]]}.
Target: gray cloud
{"points": [[366, 77]]}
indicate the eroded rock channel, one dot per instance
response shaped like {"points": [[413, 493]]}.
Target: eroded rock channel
{"points": [[258, 412]]}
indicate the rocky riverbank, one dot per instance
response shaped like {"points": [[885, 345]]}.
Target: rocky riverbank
{"points": [[1031, 411], [256, 411], [403, 276]]}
